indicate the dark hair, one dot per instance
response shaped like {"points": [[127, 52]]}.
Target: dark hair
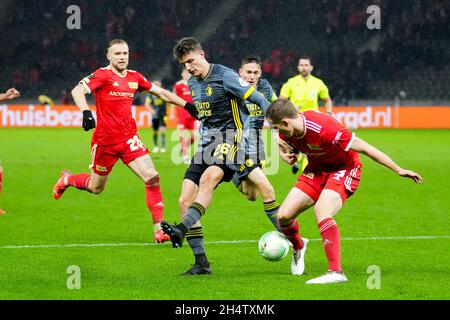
{"points": [[251, 59], [184, 46], [280, 109], [304, 57], [115, 41]]}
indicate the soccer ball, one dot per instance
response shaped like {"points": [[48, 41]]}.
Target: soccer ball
{"points": [[273, 246]]}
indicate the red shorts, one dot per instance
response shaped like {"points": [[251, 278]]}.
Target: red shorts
{"points": [[185, 120], [344, 182], [103, 158]]}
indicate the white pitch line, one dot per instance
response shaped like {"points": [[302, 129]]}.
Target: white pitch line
{"points": [[144, 244]]}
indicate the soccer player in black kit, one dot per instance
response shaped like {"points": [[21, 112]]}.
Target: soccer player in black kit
{"points": [[219, 94]]}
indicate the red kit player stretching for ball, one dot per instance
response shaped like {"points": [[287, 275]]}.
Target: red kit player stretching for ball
{"points": [[186, 123], [332, 175], [116, 134]]}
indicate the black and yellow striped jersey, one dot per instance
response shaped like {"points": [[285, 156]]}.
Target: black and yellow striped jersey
{"points": [[219, 98]]}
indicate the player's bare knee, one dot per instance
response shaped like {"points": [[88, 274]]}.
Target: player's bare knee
{"points": [[208, 182], [183, 203]]}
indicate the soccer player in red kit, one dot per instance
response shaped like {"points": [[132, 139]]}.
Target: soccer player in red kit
{"points": [[8, 95], [331, 177], [116, 134], [186, 123]]}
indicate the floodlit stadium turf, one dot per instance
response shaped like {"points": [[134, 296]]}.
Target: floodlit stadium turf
{"points": [[391, 223]]}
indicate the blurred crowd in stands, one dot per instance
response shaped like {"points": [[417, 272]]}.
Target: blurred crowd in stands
{"points": [[41, 54]]}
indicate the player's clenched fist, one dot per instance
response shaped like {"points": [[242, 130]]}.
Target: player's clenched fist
{"points": [[88, 120], [9, 94], [12, 94]]}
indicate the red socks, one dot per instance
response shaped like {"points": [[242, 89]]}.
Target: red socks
{"points": [[154, 199], [291, 231], [331, 243], [79, 181]]}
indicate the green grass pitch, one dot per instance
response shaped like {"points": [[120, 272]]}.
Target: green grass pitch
{"points": [[375, 225]]}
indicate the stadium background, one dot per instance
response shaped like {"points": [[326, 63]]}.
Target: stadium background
{"points": [[404, 64]]}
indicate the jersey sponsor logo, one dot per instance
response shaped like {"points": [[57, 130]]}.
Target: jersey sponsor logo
{"points": [[254, 110], [121, 94], [209, 90], [315, 155], [115, 84], [133, 85], [204, 109], [100, 168], [314, 147]]}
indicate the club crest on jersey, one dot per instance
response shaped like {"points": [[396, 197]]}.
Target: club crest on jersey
{"points": [[249, 163], [133, 85], [314, 147], [209, 90]]}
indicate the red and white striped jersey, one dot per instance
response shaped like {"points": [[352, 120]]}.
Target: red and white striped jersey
{"points": [[326, 142]]}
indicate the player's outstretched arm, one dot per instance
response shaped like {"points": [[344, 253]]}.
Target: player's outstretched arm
{"points": [[172, 98], [9, 94], [363, 147], [79, 96]]}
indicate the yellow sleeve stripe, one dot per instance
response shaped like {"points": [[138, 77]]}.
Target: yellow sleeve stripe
{"points": [[237, 120], [248, 93]]}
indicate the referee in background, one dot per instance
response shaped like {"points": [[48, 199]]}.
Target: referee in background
{"points": [[304, 91]]}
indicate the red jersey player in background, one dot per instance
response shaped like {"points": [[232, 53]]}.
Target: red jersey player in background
{"points": [[116, 134], [331, 177], [186, 123], [8, 95]]}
